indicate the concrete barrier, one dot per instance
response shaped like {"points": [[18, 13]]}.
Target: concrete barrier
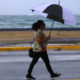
{"points": [[75, 47]]}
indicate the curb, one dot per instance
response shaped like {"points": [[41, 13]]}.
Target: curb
{"points": [[76, 47]]}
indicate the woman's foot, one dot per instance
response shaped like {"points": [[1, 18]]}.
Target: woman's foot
{"points": [[30, 77], [55, 75]]}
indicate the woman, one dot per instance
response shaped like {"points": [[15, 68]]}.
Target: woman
{"points": [[39, 48]]}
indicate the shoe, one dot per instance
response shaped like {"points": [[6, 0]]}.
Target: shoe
{"points": [[30, 77], [55, 75]]}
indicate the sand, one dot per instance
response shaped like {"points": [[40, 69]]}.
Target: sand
{"points": [[12, 36]]}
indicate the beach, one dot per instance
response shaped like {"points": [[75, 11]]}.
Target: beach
{"points": [[19, 36], [9, 24]]}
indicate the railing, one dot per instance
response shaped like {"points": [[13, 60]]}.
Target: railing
{"points": [[55, 29]]}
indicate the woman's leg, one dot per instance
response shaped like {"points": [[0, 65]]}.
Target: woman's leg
{"points": [[45, 58], [34, 61]]}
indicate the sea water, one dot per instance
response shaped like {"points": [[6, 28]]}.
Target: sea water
{"points": [[26, 21]]}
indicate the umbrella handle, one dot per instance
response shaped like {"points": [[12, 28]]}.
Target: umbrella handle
{"points": [[51, 28]]}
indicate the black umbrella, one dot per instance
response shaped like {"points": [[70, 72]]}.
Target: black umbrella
{"points": [[55, 12]]}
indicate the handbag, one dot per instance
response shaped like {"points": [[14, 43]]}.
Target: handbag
{"points": [[31, 53]]}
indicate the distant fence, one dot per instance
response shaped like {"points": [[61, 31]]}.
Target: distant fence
{"points": [[56, 29]]}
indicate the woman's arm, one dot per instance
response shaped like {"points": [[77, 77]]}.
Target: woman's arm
{"points": [[41, 40]]}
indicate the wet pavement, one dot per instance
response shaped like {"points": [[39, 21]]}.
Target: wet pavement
{"points": [[14, 65]]}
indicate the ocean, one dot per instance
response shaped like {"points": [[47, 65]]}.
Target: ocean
{"points": [[26, 21]]}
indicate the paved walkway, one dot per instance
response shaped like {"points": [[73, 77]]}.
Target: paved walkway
{"points": [[14, 65]]}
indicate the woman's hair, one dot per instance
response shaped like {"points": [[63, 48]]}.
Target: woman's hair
{"points": [[37, 25]]}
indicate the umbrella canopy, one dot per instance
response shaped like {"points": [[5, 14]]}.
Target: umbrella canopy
{"points": [[55, 12]]}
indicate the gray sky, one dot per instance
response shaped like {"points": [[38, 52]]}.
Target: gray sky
{"points": [[16, 7]]}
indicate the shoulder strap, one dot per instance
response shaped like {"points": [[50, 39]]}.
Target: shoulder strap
{"points": [[31, 44]]}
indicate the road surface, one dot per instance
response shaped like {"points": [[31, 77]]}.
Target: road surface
{"points": [[14, 65]]}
